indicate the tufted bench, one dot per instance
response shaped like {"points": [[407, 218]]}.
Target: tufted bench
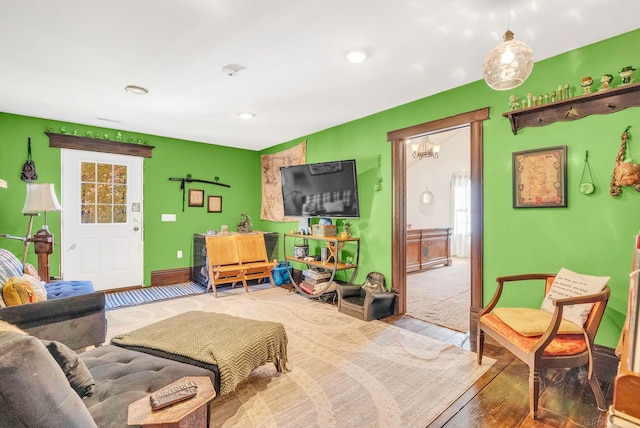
{"points": [[57, 290], [41, 395], [123, 376]]}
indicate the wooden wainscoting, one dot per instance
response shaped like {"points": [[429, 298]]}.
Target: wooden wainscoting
{"points": [[170, 276]]}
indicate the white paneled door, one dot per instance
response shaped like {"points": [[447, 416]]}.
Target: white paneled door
{"points": [[102, 231]]}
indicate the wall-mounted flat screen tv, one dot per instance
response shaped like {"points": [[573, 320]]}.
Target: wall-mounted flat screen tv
{"points": [[326, 189]]}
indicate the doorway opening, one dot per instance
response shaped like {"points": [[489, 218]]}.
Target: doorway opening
{"points": [[438, 216], [399, 224]]}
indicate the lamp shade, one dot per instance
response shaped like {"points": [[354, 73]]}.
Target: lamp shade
{"points": [[508, 65], [41, 197]]}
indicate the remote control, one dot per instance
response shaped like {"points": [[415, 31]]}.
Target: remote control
{"points": [[168, 396]]}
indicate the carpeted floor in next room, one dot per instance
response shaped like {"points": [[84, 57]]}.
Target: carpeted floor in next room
{"points": [[344, 372], [441, 295]]}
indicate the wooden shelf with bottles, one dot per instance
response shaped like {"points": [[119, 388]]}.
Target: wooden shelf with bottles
{"points": [[333, 264], [601, 102]]}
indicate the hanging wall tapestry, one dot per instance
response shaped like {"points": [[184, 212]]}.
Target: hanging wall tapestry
{"points": [[272, 208]]}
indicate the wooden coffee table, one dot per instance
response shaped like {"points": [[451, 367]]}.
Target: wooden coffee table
{"points": [[190, 413]]}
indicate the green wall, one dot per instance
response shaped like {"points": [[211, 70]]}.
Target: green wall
{"points": [[593, 235], [170, 158]]}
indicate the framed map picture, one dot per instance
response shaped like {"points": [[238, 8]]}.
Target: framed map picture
{"points": [[214, 204], [540, 178], [196, 198]]}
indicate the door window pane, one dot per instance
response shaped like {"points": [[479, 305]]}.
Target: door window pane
{"points": [[103, 190], [88, 214], [105, 214]]}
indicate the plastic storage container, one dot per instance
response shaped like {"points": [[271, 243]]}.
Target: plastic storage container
{"points": [[280, 275]]}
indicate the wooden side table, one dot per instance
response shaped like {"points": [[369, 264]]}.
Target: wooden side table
{"points": [[191, 413]]}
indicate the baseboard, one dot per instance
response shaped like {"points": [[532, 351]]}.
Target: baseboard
{"points": [[170, 276]]}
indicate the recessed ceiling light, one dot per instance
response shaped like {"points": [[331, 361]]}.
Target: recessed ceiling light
{"points": [[138, 90], [356, 56], [246, 115]]}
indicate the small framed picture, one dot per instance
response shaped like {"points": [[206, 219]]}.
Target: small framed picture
{"points": [[214, 204], [540, 178], [196, 198]]}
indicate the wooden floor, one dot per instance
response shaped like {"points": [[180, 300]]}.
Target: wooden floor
{"points": [[500, 398]]}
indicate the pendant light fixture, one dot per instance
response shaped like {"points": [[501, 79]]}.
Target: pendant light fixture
{"points": [[509, 64], [425, 149]]}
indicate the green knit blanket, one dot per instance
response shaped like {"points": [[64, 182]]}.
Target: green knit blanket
{"points": [[235, 345]]}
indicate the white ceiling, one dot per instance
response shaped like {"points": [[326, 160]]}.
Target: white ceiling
{"points": [[70, 60]]}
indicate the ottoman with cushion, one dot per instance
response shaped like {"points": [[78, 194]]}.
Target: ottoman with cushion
{"points": [[230, 346], [59, 289]]}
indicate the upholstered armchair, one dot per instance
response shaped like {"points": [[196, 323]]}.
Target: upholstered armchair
{"points": [[545, 341], [368, 301]]}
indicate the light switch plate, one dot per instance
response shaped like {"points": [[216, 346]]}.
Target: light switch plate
{"points": [[168, 217]]}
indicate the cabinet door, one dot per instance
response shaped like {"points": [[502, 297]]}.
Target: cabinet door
{"points": [[413, 250]]}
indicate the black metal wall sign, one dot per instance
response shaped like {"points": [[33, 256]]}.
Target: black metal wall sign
{"points": [[189, 179]]}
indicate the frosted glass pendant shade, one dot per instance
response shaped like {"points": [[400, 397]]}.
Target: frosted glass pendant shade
{"points": [[508, 65]]}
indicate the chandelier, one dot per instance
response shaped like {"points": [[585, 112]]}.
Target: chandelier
{"points": [[425, 149]]}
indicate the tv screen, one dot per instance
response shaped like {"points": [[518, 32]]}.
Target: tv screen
{"points": [[326, 189]]}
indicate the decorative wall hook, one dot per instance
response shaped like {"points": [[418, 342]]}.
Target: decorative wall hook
{"points": [[586, 187], [624, 173]]}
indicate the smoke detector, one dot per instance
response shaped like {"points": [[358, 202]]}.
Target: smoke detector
{"points": [[230, 70]]}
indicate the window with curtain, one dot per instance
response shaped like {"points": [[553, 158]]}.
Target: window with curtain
{"points": [[461, 212]]}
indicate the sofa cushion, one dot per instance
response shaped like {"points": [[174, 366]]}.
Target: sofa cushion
{"points": [[29, 269], [19, 290], [40, 395], [123, 376], [9, 266], [5, 326], [73, 368]]}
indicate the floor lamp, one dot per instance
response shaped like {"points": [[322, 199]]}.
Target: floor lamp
{"points": [[41, 197]]}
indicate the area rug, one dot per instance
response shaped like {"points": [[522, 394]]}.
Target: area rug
{"points": [[344, 372], [140, 296], [150, 294], [442, 295]]}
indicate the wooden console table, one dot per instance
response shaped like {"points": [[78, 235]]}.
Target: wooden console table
{"points": [[191, 413], [427, 248]]}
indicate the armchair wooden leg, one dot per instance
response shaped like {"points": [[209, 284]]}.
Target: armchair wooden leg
{"points": [[480, 345], [595, 387], [534, 391]]}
